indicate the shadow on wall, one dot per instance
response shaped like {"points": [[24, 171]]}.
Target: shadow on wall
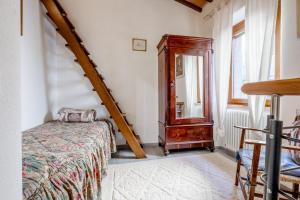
{"points": [[49, 65], [72, 88], [45, 52]]}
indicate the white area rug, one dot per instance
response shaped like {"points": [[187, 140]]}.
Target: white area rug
{"points": [[200, 177]]}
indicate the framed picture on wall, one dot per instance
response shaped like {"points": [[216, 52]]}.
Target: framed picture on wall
{"points": [[139, 44], [298, 18]]}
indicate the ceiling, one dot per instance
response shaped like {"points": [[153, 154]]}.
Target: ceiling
{"points": [[194, 4]]}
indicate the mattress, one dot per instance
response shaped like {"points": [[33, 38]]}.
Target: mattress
{"points": [[66, 160]]}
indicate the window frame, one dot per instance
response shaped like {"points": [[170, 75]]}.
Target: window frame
{"points": [[238, 29]]}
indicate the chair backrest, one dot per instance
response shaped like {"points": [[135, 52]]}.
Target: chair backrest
{"points": [[295, 133]]}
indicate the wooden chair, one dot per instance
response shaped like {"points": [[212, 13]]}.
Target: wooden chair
{"points": [[253, 160]]}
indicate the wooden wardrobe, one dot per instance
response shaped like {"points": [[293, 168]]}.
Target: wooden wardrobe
{"points": [[185, 119]]}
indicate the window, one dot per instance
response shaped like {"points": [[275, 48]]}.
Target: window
{"points": [[238, 66], [238, 63]]}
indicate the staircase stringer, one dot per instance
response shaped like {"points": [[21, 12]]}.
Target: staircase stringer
{"points": [[93, 76]]}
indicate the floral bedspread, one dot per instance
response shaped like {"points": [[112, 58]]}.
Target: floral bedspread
{"points": [[66, 160]]}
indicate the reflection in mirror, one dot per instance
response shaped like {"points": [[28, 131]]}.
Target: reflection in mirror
{"points": [[189, 86]]}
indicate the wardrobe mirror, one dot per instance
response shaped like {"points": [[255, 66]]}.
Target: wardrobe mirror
{"points": [[189, 86]]}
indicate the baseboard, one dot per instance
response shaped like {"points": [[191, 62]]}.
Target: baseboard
{"points": [[126, 146], [227, 151]]}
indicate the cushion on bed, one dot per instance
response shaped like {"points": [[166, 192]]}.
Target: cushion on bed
{"points": [[76, 115], [245, 155]]}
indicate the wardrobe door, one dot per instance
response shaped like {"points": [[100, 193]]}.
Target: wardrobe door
{"points": [[189, 86]]}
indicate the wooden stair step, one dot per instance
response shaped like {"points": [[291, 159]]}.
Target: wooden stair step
{"points": [[55, 13], [60, 8], [138, 138], [69, 23], [71, 26], [114, 103], [49, 16], [85, 50], [77, 37], [85, 75], [112, 97], [74, 32], [126, 120], [101, 77], [109, 90], [57, 29], [134, 133], [119, 108], [65, 17], [82, 46], [131, 127], [92, 62], [123, 114]]}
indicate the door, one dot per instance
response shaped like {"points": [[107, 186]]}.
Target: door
{"points": [[189, 86]]}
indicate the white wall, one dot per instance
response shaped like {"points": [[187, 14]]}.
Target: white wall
{"points": [[10, 137], [38, 66], [51, 80], [207, 16], [115, 23], [290, 57], [107, 28]]}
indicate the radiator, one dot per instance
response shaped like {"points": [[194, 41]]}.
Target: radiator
{"points": [[233, 118]]}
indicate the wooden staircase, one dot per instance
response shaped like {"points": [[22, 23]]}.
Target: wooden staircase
{"points": [[67, 30]]}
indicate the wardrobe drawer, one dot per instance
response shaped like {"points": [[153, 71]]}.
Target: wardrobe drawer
{"points": [[189, 133]]}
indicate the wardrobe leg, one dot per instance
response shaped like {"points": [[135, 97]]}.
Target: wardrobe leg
{"points": [[166, 151]]}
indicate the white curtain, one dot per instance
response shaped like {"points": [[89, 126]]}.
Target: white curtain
{"points": [[259, 31], [222, 35]]}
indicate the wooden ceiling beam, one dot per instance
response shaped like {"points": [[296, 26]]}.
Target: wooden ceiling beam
{"points": [[190, 5]]}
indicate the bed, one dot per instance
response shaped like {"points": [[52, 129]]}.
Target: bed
{"points": [[66, 160]]}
